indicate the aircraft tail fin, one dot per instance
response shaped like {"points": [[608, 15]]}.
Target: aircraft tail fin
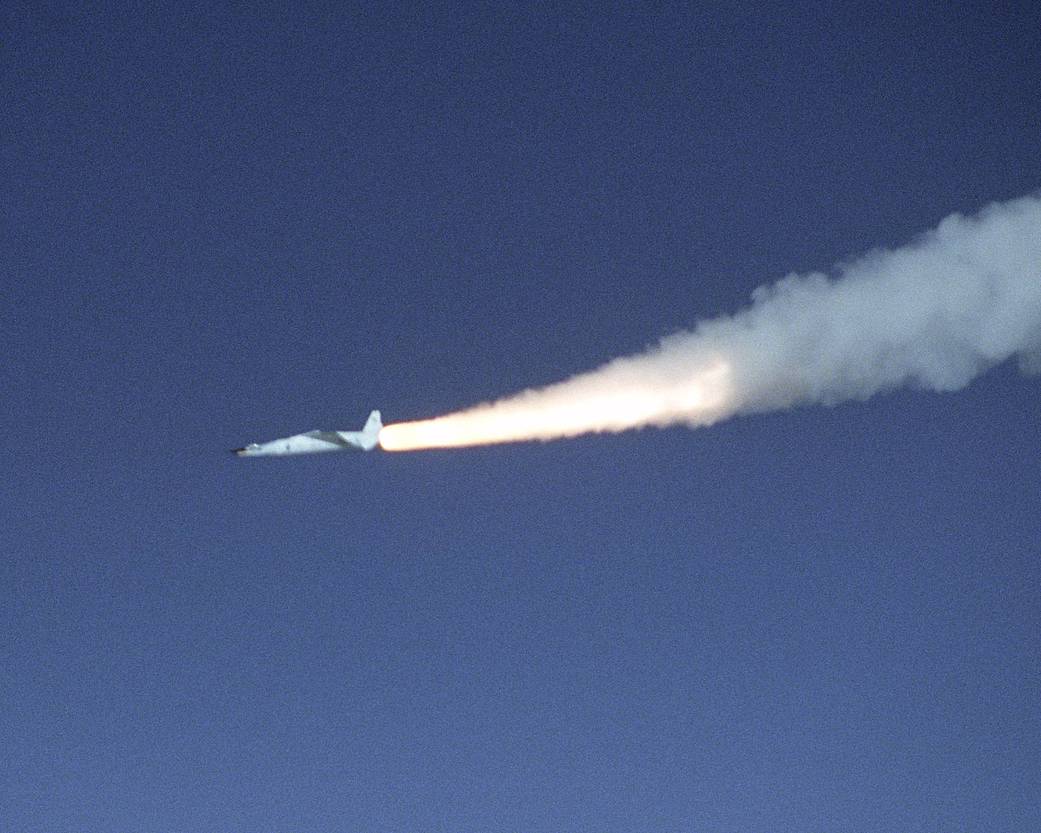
{"points": [[373, 424]]}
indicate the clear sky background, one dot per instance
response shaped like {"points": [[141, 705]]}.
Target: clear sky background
{"points": [[232, 223]]}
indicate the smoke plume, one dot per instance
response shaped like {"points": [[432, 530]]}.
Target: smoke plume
{"points": [[933, 314]]}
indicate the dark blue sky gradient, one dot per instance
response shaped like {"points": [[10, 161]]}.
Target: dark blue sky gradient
{"points": [[230, 224]]}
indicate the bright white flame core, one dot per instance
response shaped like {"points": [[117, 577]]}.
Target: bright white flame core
{"points": [[592, 403]]}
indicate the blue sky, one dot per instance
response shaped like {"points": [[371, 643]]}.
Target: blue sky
{"points": [[231, 223]]}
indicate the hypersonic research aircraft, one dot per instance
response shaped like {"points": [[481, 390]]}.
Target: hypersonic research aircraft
{"points": [[317, 441]]}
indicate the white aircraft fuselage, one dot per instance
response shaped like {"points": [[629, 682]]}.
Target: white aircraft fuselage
{"points": [[317, 442]]}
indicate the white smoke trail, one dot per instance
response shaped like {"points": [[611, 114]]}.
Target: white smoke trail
{"points": [[933, 314]]}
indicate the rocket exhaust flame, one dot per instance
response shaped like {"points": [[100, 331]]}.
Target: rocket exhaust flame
{"points": [[934, 314], [603, 401]]}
